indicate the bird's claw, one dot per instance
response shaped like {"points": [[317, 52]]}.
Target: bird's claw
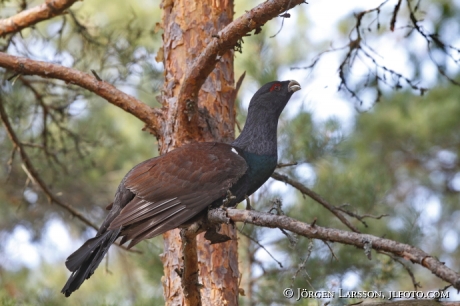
{"points": [[228, 199]]}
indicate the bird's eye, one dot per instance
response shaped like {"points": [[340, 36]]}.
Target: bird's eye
{"points": [[276, 87]]}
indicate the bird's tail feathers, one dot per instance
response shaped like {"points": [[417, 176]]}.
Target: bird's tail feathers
{"points": [[87, 258]]}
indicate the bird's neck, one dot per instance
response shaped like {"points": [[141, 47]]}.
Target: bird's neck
{"points": [[258, 135]]}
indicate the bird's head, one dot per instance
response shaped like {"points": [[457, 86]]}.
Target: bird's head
{"points": [[259, 132], [273, 97]]}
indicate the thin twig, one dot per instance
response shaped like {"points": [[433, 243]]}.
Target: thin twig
{"points": [[285, 15], [302, 265], [408, 270], [283, 165], [235, 94], [306, 191], [330, 249], [261, 246], [360, 217], [395, 14], [34, 174]]}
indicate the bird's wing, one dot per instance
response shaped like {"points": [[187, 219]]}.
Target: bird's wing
{"points": [[171, 189]]}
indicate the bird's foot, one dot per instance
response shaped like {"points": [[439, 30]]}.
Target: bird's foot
{"points": [[227, 201], [214, 237]]}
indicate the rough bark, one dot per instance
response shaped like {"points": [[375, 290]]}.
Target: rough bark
{"points": [[219, 269], [188, 29]]}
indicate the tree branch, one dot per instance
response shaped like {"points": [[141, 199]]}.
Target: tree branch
{"points": [[405, 251], [226, 40], [103, 89], [27, 18], [306, 191], [190, 271]]}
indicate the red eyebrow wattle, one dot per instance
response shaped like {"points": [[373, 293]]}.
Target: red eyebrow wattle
{"points": [[274, 86]]}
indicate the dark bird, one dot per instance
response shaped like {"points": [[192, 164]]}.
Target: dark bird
{"points": [[166, 192]]}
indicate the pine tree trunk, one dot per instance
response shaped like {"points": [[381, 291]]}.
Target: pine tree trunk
{"points": [[188, 27]]}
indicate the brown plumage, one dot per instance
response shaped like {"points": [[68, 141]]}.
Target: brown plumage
{"points": [[170, 189], [156, 196], [166, 192]]}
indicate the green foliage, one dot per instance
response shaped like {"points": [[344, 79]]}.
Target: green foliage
{"points": [[124, 284]]}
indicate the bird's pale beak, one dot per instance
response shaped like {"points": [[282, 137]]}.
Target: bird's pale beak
{"points": [[293, 86]]}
